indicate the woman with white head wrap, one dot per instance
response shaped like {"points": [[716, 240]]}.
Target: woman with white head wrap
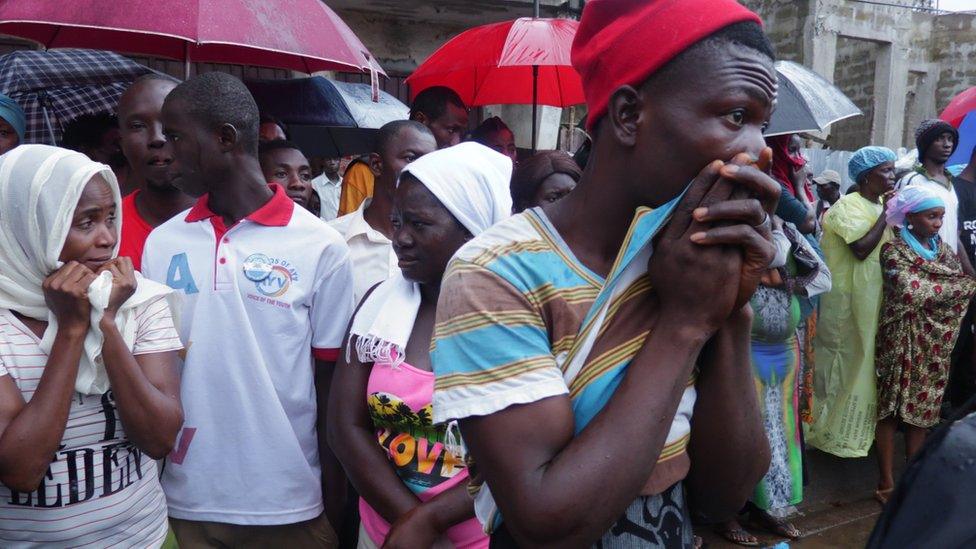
{"points": [[442, 200], [85, 343], [925, 298]]}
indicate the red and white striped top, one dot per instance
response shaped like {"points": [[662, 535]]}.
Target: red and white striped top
{"points": [[100, 490]]}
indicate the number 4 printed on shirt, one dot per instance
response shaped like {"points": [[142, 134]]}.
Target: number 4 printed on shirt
{"points": [[179, 277]]}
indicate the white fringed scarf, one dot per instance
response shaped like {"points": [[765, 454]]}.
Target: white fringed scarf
{"points": [[40, 187]]}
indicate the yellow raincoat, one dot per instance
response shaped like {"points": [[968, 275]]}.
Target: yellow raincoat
{"points": [[845, 399]]}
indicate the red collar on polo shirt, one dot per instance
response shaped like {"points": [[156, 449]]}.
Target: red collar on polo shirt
{"points": [[274, 213]]}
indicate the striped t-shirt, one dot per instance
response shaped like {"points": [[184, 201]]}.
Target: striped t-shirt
{"points": [[511, 306], [100, 490]]}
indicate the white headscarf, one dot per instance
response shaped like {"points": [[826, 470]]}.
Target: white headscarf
{"points": [[40, 187], [472, 182]]}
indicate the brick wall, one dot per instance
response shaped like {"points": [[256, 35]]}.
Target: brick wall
{"points": [[854, 75], [783, 20], [953, 47]]}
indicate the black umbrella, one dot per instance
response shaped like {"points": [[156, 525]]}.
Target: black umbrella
{"points": [[807, 102], [325, 118], [56, 86]]}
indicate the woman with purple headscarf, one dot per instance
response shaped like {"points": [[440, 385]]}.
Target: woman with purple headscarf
{"points": [[925, 297]]}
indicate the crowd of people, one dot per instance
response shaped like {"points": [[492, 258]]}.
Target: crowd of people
{"points": [[208, 338]]}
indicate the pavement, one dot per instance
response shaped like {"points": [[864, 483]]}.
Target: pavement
{"points": [[838, 509]]}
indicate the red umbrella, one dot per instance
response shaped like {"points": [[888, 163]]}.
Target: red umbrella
{"points": [[525, 61], [302, 35], [959, 107]]}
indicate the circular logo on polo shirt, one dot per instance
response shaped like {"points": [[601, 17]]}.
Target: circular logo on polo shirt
{"points": [[257, 267], [276, 283]]}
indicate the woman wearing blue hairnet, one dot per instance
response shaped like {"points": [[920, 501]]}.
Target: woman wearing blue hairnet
{"points": [[845, 401], [12, 124]]}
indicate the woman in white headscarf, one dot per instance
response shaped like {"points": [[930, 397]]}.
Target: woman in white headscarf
{"points": [[89, 388], [415, 478]]}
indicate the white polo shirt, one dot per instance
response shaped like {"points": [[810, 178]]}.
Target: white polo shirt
{"points": [[373, 258], [261, 298]]}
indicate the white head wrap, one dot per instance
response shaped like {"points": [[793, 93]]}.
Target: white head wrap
{"points": [[472, 182], [40, 187]]}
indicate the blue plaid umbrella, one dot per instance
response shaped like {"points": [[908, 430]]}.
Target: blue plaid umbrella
{"points": [[56, 86]]}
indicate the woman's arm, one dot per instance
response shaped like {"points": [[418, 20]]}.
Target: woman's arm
{"points": [[146, 390], [352, 436], [34, 429], [822, 281], [30, 432], [335, 489], [967, 266], [147, 387], [422, 525], [863, 246], [797, 212]]}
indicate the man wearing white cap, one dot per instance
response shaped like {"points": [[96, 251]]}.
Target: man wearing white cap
{"points": [[828, 189]]}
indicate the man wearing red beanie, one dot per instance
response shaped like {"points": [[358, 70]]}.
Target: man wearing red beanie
{"points": [[575, 342]]}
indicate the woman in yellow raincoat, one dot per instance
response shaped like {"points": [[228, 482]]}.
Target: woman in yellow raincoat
{"points": [[845, 399]]}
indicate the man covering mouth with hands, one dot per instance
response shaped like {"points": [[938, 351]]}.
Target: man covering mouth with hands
{"points": [[595, 351]]}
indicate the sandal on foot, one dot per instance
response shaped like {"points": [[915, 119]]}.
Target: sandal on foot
{"points": [[738, 536], [778, 526]]}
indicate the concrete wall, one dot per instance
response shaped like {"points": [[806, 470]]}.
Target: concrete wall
{"points": [[854, 75], [400, 45], [783, 20], [953, 47]]}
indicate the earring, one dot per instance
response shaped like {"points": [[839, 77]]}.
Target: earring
{"points": [[910, 227]]}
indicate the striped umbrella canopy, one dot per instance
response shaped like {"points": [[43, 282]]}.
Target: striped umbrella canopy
{"points": [[56, 86]]}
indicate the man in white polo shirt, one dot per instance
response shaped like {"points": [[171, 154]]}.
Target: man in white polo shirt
{"points": [[268, 294]]}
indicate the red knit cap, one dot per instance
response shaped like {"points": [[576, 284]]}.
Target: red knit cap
{"points": [[622, 42]]}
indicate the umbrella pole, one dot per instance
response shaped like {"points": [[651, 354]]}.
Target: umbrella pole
{"points": [[44, 102], [50, 128], [186, 61], [535, 102], [535, 85]]}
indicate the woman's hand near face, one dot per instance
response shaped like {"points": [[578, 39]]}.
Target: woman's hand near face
{"points": [[123, 283], [66, 294]]}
